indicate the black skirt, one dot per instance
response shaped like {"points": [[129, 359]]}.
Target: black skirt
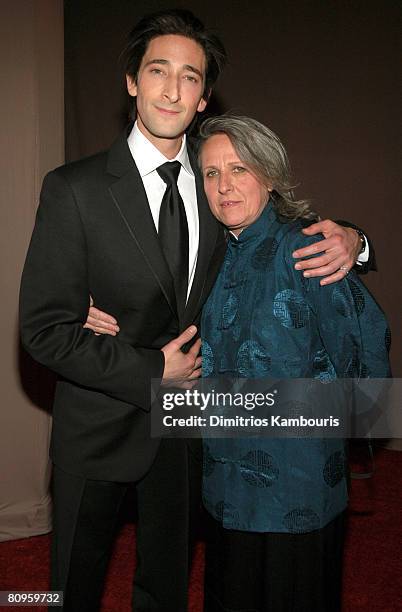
{"points": [[274, 572]]}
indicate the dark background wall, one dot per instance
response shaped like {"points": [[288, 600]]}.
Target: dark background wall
{"points": [[324, 75]]}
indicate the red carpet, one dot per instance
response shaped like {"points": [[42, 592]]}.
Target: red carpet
{"points": [[372, 577]]}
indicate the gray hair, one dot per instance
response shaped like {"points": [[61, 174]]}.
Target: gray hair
{"points": [[261, 149]]}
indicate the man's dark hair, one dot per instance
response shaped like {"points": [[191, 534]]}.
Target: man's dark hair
{"points": [[182, 23]]}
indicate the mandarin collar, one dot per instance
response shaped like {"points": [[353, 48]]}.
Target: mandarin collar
{"points": [[258, 229]]}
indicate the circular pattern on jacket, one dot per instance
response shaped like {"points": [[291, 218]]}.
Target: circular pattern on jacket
{"points": [[301, 520], [334, 468], [259, 469], [341, 299], [207, 358], [356, 368], [291, 309], [358, 296], [265, 254], [229, 310], [294, 409], [341, 302], [252, 360], [323, 369]]}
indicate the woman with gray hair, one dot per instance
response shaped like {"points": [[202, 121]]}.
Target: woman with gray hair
{"points": [[277, 505]]}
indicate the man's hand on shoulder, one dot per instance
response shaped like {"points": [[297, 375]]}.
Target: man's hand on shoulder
{"points": [[335, 255]]}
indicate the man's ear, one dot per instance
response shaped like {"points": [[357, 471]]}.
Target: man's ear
{"points": [[204, 101], [131, 85], [202, 104]]}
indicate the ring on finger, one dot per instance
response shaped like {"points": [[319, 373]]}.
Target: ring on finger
{"points": [[344, 269]]}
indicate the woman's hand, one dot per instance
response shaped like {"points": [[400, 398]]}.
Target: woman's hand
{"points": [[336, 254], [100, 322]]}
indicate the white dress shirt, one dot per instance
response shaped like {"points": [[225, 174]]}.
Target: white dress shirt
{"points": [[364, 255], [147, 159]]}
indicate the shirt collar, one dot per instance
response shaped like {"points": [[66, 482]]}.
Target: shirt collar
{"points": [[148, 158]]}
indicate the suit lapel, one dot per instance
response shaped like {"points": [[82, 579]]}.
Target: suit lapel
{"points": [[208, 228], [129, 197]]}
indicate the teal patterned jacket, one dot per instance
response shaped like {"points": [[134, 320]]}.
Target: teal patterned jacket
{"points": [[264, 319]]}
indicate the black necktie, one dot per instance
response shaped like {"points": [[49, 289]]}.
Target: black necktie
{"points": [[173, 231]]}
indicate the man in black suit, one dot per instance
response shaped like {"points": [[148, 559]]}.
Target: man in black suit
{"points": [[99, 232]]}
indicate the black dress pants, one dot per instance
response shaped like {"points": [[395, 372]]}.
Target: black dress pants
{"points": [[85, 516], [274, 572]]}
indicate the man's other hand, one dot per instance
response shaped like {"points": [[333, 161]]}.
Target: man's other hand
{"points": [[181, 366], [335, 255], [100, 322]]}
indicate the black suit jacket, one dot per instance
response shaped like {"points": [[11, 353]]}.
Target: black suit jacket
{"points": [[94, 234]]}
